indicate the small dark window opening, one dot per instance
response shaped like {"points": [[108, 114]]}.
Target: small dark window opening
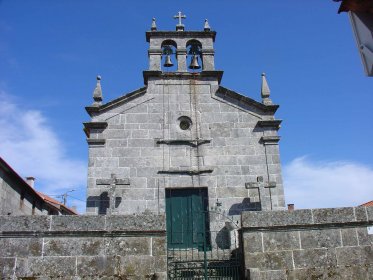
{"points": [[21, 200], [33, 208], [185, 123]]}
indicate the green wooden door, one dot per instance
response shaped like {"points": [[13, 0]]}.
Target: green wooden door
{"points": [[187, 221]]}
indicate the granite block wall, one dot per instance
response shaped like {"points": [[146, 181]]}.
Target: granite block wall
{"points": [[83, 247], [225, 150], [308, 244]]}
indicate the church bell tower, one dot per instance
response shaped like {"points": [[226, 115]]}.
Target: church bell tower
{"points": [[193, 46]]}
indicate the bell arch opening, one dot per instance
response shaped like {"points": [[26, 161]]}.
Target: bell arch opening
{"points": [[194, 55], [169, 58]]}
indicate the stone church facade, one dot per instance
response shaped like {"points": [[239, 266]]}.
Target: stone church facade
{"points": [[184, 182], [183, 134]]}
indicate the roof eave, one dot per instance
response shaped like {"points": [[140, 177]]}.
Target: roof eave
{"points": [[20, 181]]}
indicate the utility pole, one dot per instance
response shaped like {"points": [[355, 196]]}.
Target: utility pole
{"points": [[64, 196]]}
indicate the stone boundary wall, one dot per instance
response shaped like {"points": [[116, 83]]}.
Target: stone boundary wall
{"points": [[83, 247], [308, 244]]}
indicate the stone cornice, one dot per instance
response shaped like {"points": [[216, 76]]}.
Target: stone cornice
{"points": [[180, 34], [193, 143], [96, 142], [276, 124], [93, 125], [116, 181], [208, 51], [186, 171], [181, 51], [270, 140], [186, 75], [213, 73], [155, 51]]}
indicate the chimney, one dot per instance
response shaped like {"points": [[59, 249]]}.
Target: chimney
{"points": [[290, 207], [30, 181]]}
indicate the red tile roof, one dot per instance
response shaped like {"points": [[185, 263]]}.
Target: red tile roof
{"points": [[9, 170], [57, 204], [369, 203], [22, 183]]}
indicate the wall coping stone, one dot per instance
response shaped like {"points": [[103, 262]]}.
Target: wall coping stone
{"points": [[100, 225], [306, 218]]}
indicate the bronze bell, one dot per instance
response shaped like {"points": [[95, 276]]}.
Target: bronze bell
{"points": [[194, 64], [168, 62]]}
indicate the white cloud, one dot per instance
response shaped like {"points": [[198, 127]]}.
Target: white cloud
{"points": [[310, 184], [32, 148]]}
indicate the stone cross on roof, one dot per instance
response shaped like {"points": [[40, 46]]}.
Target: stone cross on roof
{"points": [[179, 26]]}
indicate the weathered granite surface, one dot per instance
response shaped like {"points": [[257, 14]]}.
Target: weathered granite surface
{"points": [[308, 244], [45, 224], [83, 247], [230, 146], [307, 217]]}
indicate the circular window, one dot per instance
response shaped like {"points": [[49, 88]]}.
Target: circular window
{"points": [[185, 123]]}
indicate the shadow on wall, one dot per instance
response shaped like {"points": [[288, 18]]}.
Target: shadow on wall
{"points": [[223, 239], [102, 202], [245, 205]]}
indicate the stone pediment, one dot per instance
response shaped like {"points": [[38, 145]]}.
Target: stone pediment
{"points": [[91, 110]]}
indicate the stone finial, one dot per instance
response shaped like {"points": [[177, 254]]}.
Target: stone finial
{"points": [[97, 93], [207, 26], [265, 92], [154, 25]]}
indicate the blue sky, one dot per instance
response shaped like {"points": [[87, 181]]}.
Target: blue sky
{"points": [[51, 52]]}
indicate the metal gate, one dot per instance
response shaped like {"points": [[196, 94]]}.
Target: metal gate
{"points": [[208, 254]]}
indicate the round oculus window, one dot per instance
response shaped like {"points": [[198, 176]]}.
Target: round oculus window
{"points": [[185, 123]]}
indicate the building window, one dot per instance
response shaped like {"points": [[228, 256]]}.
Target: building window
{"points": [[185, 123], [21, 201]]}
